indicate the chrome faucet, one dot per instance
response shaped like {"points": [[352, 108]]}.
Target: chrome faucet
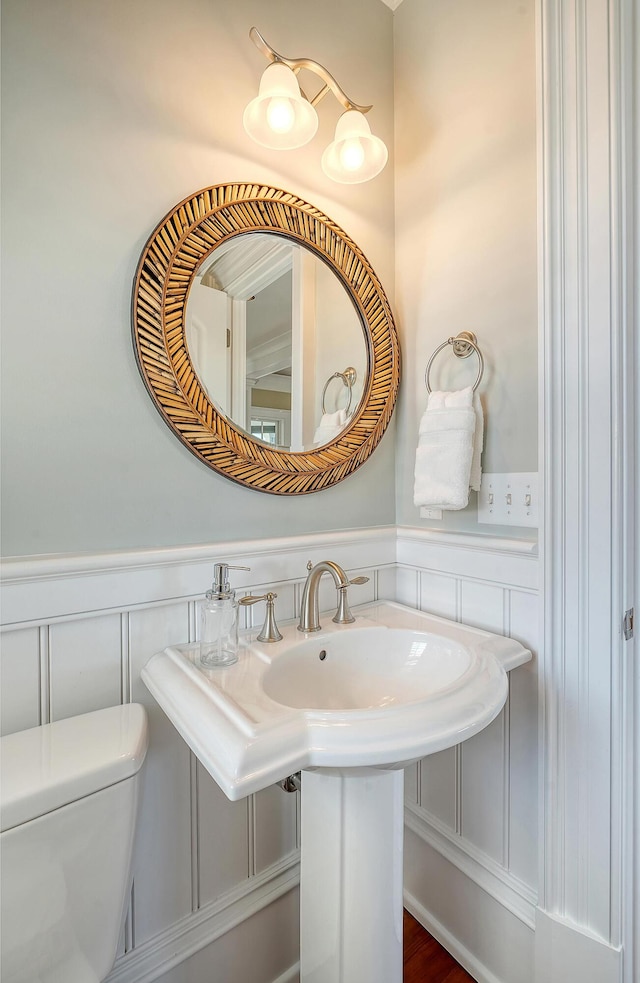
{"points": [[309, 614]]}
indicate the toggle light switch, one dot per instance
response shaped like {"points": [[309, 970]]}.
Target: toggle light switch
{"points": [[509, 499]]}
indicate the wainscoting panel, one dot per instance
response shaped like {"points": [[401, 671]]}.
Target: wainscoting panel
{"points": [[482, 789], [78, 631], [439, 794], [224, 834], [276, 827], [438, 594], [522, 845], [476, 805], [20, 690], [162, 876], [84, 673]]}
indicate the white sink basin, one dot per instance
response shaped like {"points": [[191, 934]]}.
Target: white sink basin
{"points": [[395, 686], [365, 669]]}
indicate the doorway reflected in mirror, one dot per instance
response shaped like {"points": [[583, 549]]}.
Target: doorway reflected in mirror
{"points": [[267, 325]]}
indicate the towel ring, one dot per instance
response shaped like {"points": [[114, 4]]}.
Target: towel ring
{"points": [[463, 345], [348, 377]]}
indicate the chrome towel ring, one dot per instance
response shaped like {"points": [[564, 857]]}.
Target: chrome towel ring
{"points": [[463, 345], [348, 377]]}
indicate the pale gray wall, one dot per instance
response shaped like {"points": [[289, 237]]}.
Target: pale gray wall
{"points": [[465, 124], [112, 113]]}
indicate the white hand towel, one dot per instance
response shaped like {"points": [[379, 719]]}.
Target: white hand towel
{"points": [[478, 442], [329, 427], [446, 450]]}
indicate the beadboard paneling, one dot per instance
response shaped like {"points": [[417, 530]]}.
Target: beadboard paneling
{"points": [[20, 690], [223, 830], [203, 864], [439, 796], [162, 869], [438, 594], [84, 665], [483, 792], [275, 827], [523, 744]]}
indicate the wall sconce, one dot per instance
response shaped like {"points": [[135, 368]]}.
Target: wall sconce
{"points": [[282, 118]]}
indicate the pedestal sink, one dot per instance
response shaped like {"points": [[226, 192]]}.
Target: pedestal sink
{"points": [[349, 706]]}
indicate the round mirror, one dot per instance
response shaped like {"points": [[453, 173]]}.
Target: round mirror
{"points": [[284, 381], [276, 341]]}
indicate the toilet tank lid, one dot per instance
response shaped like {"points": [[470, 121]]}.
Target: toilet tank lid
{"points": [[50, 766]]}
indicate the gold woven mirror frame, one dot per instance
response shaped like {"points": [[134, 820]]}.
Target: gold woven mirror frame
{"points": [[173, 254]]}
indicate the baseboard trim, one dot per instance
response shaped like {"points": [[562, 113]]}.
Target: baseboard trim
{"points": [[567, 951], [202, 927], [497, 882], [292, 975], [442, 935]]}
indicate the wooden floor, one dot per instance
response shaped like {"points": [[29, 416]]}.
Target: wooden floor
{"points": [[425, 961]]}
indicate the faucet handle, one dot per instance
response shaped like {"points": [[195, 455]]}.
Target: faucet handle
{"points": [[343, 615], [270, 631]]}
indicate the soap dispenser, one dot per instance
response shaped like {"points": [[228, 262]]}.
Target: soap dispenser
{"points": [[219, 626]]}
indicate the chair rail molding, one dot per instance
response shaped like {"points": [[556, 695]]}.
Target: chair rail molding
{"points": [[586, 372]]}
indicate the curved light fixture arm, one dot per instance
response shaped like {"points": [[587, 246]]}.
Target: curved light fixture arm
{"points": [[296, 64]]}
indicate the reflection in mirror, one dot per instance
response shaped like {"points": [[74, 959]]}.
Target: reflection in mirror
{"points": [[270, 330]]}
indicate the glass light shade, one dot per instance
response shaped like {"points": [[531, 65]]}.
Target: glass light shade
{"points": [[355, 154], [279, 117]]}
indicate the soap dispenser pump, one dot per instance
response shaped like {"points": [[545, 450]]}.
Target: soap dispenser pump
{"points": [[219, 626]]}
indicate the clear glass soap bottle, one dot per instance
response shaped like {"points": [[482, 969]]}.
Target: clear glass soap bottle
{"points": [[219, 624]]}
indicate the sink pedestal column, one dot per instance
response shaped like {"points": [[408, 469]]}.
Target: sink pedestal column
{"points": [[351, 876]]}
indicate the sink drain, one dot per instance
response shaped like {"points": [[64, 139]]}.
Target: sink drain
{"points": [[323, 655]]}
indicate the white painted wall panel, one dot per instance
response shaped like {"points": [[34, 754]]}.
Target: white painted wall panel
{"points": [[223, 857], [255, 951], [387, 582], [163, 853], [523, 743], [85, 665], [439, 786], [411, 784], [20, 681], [479, 790], [482, 605], [363, 593], [438, 594], [407, 587], [483, 790], [275, 826]]}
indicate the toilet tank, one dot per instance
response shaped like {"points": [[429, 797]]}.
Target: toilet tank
{"points": [[68, 802]]}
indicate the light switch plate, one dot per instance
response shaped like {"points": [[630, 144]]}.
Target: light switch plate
{"points": [[509, 499]]}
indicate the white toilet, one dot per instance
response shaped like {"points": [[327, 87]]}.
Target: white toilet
{"points": [[68, 800]]}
